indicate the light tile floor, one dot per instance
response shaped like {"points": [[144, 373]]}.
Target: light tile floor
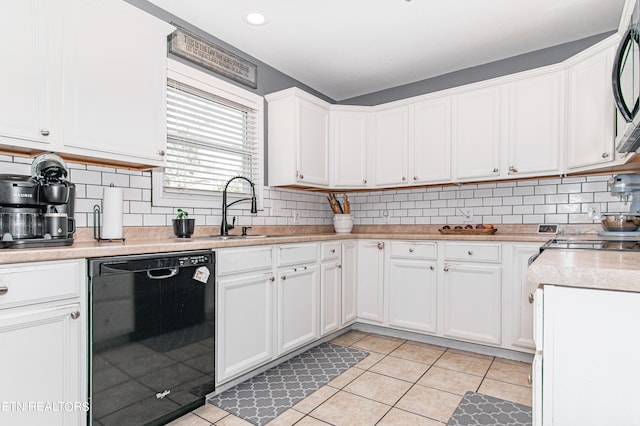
{"points": [[402, 382]]}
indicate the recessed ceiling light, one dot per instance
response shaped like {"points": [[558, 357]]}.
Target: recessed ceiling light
{"points": [[255, 18]]}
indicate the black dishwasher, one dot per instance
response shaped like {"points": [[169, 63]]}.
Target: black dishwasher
{"points": [[152, 336]]}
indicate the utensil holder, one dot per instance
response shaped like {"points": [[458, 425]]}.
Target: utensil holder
{"points": [[343, 223]]}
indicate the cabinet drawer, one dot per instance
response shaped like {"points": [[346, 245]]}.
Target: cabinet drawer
{"points": [[330, 251], [38, 282], [295, 254], [413, 250], [234, 261], [472, 252]]}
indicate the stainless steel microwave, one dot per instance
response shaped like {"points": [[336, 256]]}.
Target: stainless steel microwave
{"points": [[626, 83]]}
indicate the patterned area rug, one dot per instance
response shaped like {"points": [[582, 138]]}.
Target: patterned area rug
{"points": [[267, 395], [478, 409]]}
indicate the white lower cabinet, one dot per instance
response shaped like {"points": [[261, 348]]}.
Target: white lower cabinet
{"points": [[43, 331], [589, 351], [330, 295], [413, 286], [244, 324], [297, 307], [472, 299], [371, 281], [349, 276], [519, 309]]}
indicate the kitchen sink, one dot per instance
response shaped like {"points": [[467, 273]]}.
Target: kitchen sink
{"points": [[234, 237]]}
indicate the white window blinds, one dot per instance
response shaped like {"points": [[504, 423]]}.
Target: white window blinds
{"points": [[209, 141]]}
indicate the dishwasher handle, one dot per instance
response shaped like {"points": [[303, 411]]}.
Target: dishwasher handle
{"points": [[172, 272]]}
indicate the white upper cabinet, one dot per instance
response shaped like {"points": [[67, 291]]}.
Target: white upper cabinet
{"points": [[28, 79], [591, 111], [114, 81], [477, 134], [86, 78], [430, 141], [298, 139], [391, 142], [534, 136], [349, 131]]}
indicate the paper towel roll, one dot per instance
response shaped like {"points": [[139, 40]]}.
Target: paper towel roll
{"points": [[112, 207]]}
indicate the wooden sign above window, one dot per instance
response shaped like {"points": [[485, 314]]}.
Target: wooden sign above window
{"points": [[206, 54]]}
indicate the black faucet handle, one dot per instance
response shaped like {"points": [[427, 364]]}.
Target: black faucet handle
{"points": [[244, 230], [233, 223]]}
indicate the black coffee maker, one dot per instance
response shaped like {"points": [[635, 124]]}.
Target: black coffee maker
{"points": [[37, 210]]}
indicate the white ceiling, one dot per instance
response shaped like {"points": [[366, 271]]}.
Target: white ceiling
{"points": [[347, 48]]}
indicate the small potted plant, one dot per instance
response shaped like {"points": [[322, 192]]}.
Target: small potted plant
{"points": [[183, 227]]}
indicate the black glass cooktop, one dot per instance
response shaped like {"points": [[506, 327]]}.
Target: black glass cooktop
{"points": [[600, 244]]}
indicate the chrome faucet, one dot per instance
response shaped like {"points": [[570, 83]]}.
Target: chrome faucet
{"points": [[224, 226]]}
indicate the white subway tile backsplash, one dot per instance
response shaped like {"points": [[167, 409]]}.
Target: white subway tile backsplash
{"points": [[552, 200]]}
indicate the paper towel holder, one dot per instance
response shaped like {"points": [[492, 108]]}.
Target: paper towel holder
{"points": [[97, 213]]}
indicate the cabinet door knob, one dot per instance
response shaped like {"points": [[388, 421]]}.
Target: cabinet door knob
{"points": [[75, 314], [415, 178], [284, 277], [44, 132], [513, 169], [531, 298], [4, 290], [404, 178], [333, 251], [529, 379], [161, 152], [380, 246], [339, 266], [364, 181], [470, 252], [431, 268], [411, 250], [446, 268], [272, 279], [495, 170], [605, 155]]}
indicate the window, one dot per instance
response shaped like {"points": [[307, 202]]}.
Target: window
{"points": [[214, 132]]}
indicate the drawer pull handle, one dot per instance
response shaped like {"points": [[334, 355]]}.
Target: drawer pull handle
{"points": [[411, 250], [75, 314], [44, 132], [470, 252], [530, 297], [529, 379], [4, 290]]}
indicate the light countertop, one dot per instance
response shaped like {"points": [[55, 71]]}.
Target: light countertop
{"points": [[161, 240], [600, 269]]}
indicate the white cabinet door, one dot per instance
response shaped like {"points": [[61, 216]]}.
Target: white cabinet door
{"points": [[28, 81], [43, 359], [590, 357], [477, 134], [298, 126], [521, 301], [313, 148], [534, 138], [430, 142], [114, 93], [330, 295], [371, 281], [413, 295], [472, 302], [349, 281], [391, 142], [349, 133], [591, 111], [244, 325], [297, 307]]}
